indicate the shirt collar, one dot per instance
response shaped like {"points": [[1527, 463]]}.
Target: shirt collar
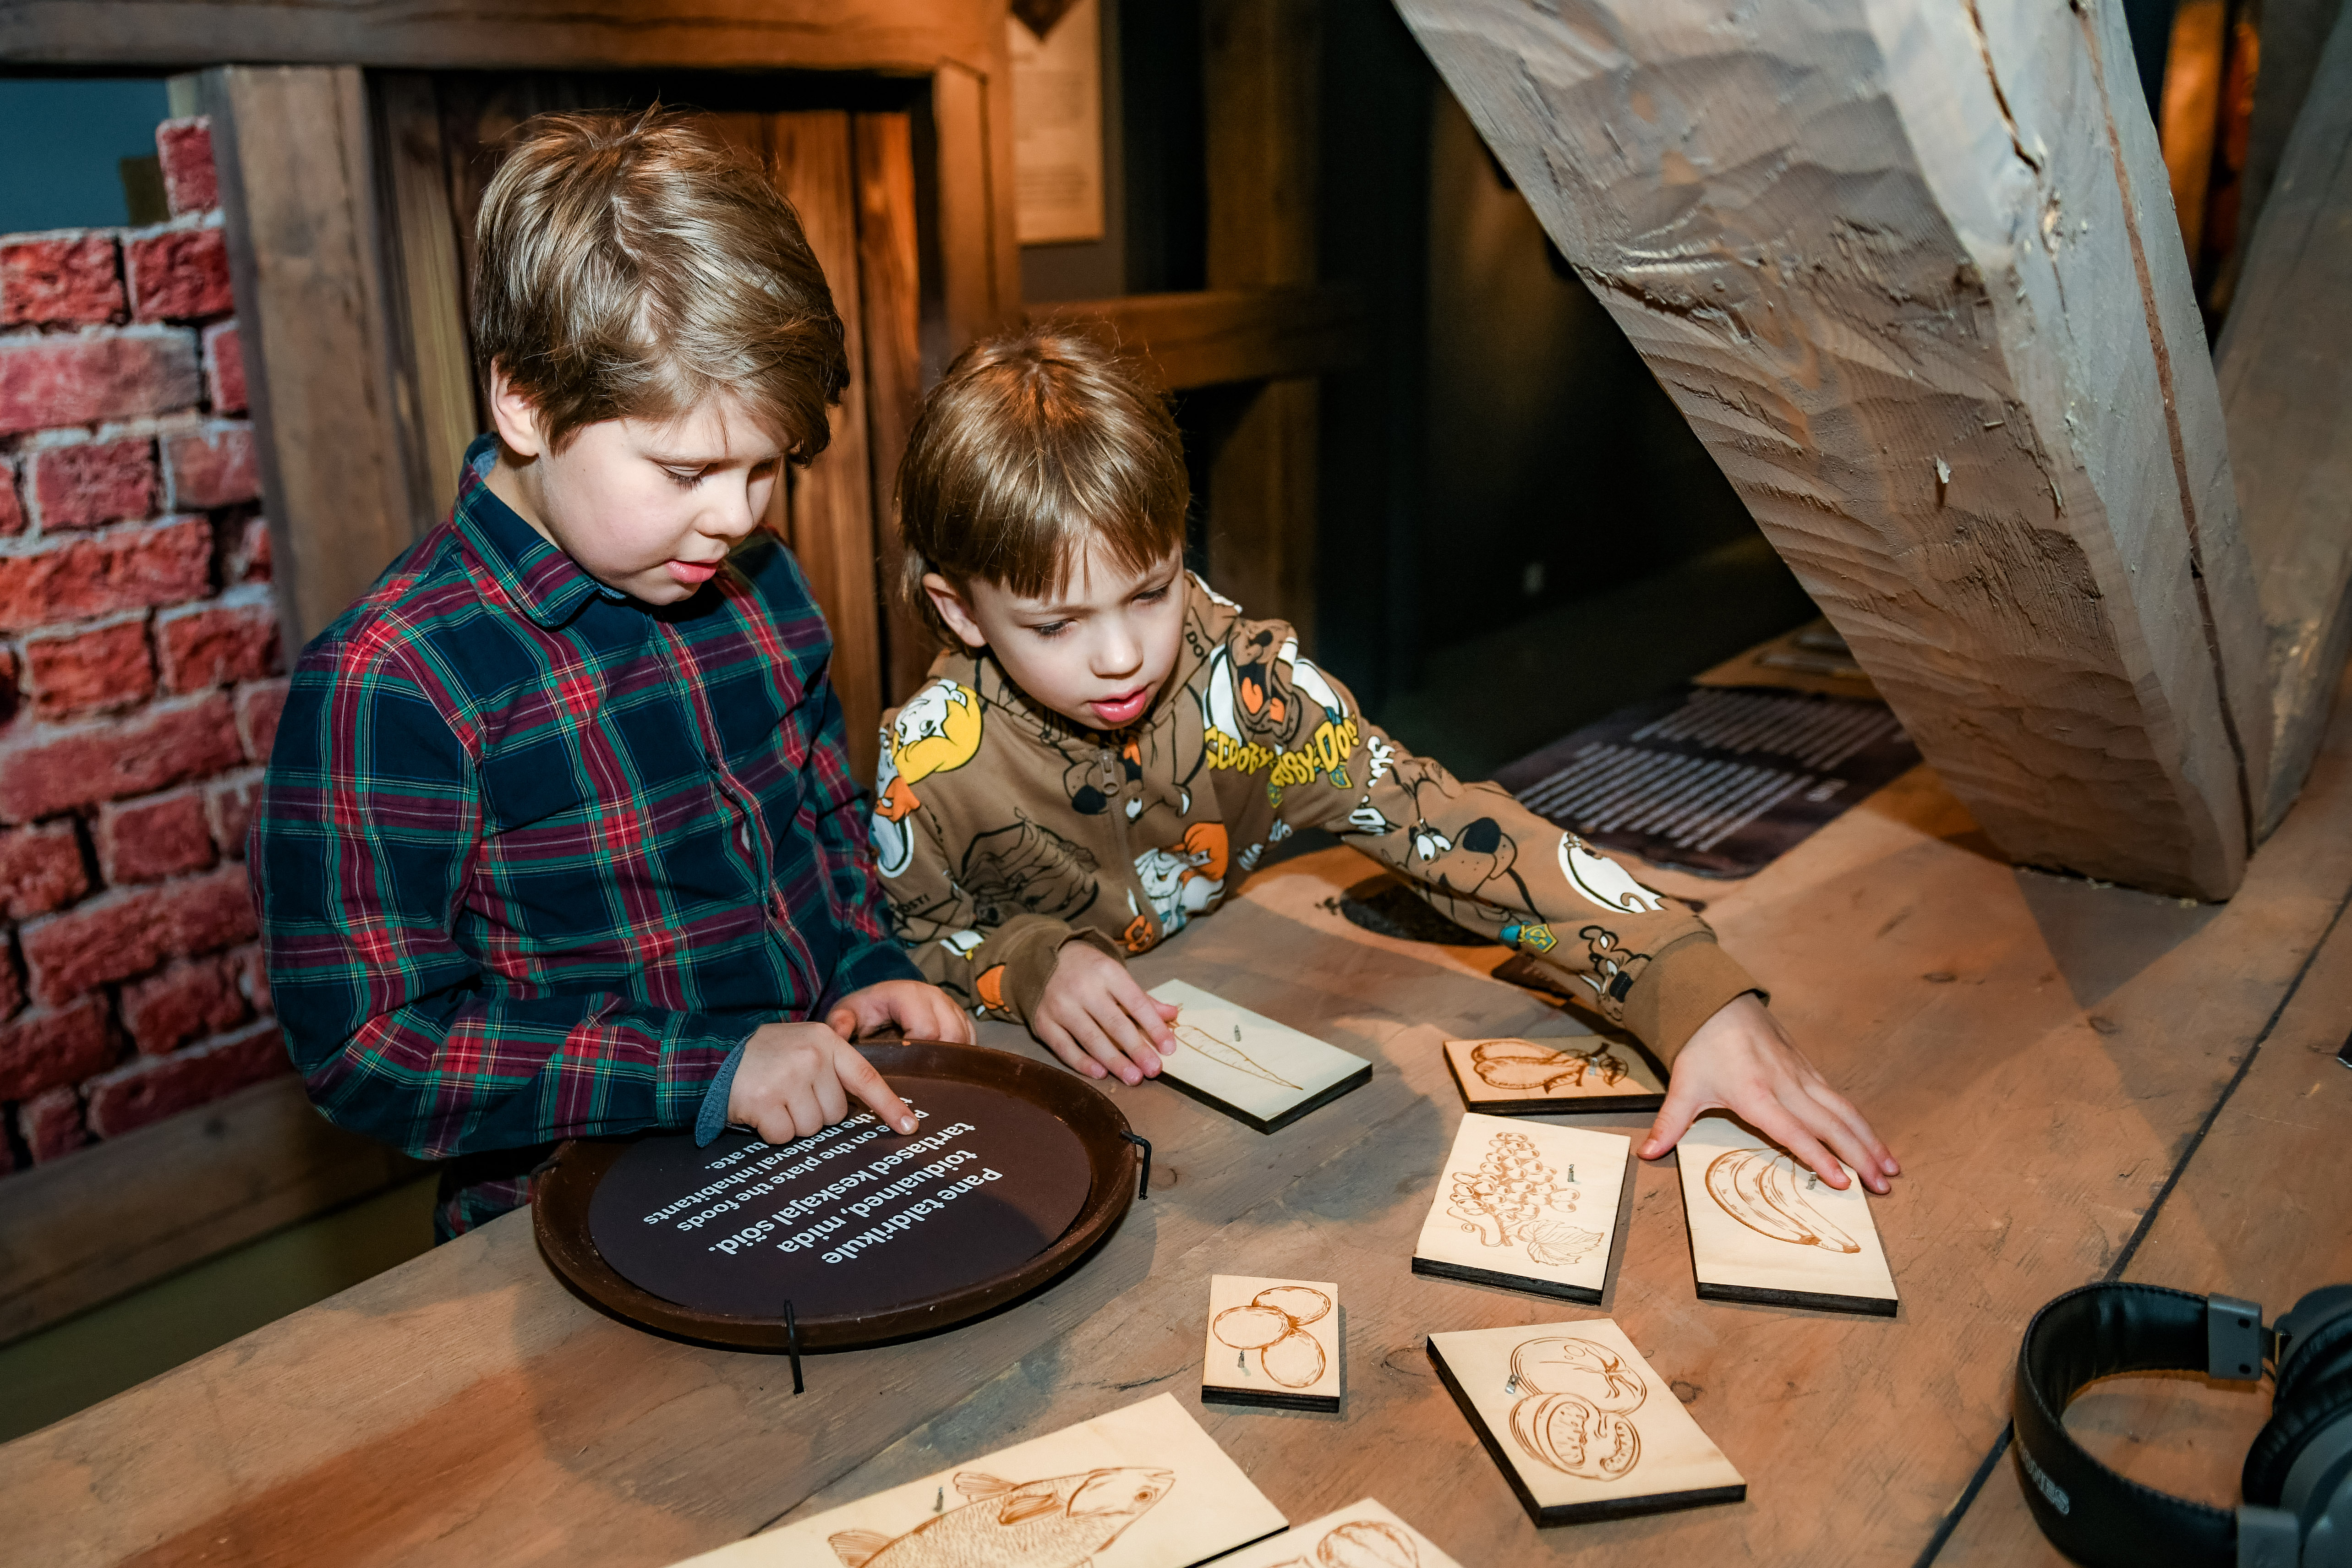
{"points": [[547, 584]]}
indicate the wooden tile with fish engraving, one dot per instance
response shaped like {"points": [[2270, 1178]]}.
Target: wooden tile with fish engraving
{"points": [[1260, 1072], [1142, 1487], [1273, 1342], [1526, 1206]]}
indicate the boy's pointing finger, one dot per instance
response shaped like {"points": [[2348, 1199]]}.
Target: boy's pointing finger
{"points": [[858, 1076]]}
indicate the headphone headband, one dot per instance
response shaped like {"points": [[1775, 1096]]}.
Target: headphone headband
{"points": [[2298, 1479], [2088, 1511]]}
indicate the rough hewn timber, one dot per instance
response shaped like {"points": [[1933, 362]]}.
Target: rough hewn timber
{"points": [[1910, 271], [2286, 368]]}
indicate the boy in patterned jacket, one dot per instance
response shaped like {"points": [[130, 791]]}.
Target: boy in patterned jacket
{"points": [[1108, 747], [559, 838]]}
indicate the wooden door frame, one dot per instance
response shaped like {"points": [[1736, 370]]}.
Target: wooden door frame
{"points": [[332, 521]]}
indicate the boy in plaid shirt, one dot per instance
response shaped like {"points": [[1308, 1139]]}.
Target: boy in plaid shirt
{"points": [[559, 838]]}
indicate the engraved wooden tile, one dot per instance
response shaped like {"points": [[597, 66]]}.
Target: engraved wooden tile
{"points": [[1273, 1342], [1526, 1205], [1763, 1228]]}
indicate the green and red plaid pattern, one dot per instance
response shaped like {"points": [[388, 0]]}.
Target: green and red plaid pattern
{"points": [[533, 858]]}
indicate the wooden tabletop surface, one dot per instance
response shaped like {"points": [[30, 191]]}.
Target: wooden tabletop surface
{"points": [[2048, 1058]]}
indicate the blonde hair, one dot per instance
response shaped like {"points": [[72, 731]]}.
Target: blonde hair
{"points": [[1032, 446], [632, 266]]}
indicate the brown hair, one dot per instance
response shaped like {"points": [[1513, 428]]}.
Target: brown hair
{"points": [[1034, 445], [629, 265]]}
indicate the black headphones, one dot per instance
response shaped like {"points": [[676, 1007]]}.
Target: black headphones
{"points": [[2298, 1476]]}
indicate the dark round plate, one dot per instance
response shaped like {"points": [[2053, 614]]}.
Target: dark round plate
{"points": [[566, 1190]]}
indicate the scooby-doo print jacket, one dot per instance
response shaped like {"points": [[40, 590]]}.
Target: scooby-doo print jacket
{"points": [[1005, 830]]}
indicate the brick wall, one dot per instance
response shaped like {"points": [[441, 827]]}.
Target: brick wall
{"points": [[140, 677]]}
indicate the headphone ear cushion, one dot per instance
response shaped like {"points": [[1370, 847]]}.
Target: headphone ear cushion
{"points": [[2323, 1353], [2296, 1418]]}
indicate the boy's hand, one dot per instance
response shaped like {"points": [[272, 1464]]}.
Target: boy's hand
{"points": [[919, 1011], [1741, 1060], [1098, 1020], [795, 1079]]}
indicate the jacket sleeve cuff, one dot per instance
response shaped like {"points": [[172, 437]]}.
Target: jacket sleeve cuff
{"points": [[1035, 952], [711, 1120], [1683, 987], [869, 965]]}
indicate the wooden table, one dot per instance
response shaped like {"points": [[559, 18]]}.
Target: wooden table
{"points": [[2044, 1055]]}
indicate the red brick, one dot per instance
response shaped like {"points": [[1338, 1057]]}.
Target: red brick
{"points": [[213, 467], [178, 273], [55, 768], [131, 567], [228, 809], [12, 990], [258, 707], [154, 1087], [40, 870], [129, 931], [48, 383], [252, 975], [183, 1002], [62, 280], [87, 482], [149, 839], [12, 510], [51, 1123], [48, 1046], [224, 368], [184, 147], [249, 561], [219, 643], [90, 669]]}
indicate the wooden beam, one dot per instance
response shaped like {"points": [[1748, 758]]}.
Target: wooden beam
{"points": [[832, 498], [2286, 369], [296, 184], [908, 36], [126, 1212], [1261, 69], [1908, 270], [979, 252], [1210, 336]]}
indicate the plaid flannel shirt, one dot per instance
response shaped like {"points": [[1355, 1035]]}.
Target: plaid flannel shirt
{"points": [[535, 859]]}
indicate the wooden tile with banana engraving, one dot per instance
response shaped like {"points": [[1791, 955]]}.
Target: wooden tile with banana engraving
{"points": [[1764, 1227]]}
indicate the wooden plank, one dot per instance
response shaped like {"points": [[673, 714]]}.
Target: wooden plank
{"points": [[2285, 364], [2258, 1213], [1261, 69], [432, 365], [2036, 1049], [1936, 326], [904, 36], [128, 1211], [298, 191], [889, 283], [2292, 35], [833, 497], [980, 256], [1207, 336]]}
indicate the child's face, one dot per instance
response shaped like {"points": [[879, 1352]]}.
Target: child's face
{"points": [[1097, 651], [650, 509]]}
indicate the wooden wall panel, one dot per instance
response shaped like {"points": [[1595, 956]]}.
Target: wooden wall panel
{"points": [[298, 193], [888, 267], [1261, 67], [433, 367], [832, 498], [2286, 369], [1907, 270]]}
